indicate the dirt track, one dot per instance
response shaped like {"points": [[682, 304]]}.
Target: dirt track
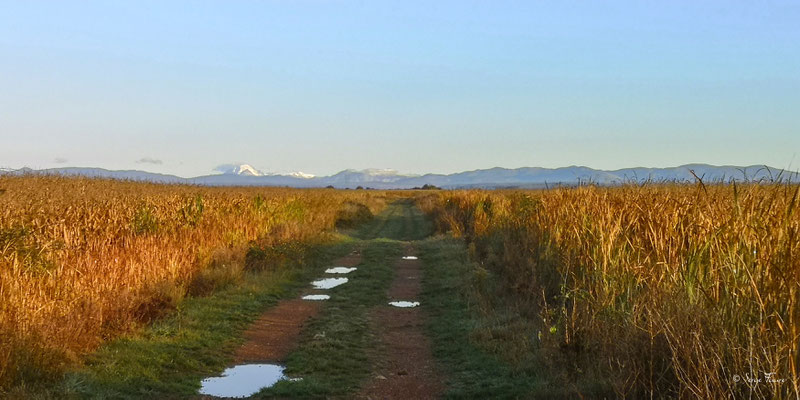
{"points": [[405, 369], [273, 336]]}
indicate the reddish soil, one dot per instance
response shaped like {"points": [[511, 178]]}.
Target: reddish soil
{"points": [[274, 335], [350, 260], [406, 369]]}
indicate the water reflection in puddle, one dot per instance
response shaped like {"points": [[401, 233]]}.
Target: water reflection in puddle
{"points": [[328, 283], [404, 304], [316, 297], [242, 380], [340, 270], [410, 258]]}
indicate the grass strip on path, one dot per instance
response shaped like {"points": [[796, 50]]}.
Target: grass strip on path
{"points": [[336, 350], [333, 357]]}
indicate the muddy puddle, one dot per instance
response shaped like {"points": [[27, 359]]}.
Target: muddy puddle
{"points": [[409, 257], [404, 304], [340, 270], [242, 380], [316, 297], [328, 283]]}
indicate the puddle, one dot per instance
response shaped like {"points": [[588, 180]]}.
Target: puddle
{"points": [[328, 283], [316, 297], [340, 270], [410, 258], [404, 304], [242, 380]]}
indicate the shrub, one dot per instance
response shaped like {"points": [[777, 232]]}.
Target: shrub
{"points": [[144, 221], [352, 214]]}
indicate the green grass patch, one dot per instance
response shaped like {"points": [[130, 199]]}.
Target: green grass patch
{"points": [[487, 349], [401, 220]]}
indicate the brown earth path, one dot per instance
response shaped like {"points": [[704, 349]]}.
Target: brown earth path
{"points": [[406, 368], [274, 335]]}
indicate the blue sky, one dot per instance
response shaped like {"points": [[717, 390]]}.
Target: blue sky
{"points": [[419, 86]]}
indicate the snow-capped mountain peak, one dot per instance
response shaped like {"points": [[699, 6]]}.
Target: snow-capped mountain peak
{"points": [[240, 169], [300, 174], [247, 169]]}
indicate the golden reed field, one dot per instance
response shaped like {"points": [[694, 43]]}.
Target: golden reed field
{"points": [[657, 290], [83, 260], [660, 290]]}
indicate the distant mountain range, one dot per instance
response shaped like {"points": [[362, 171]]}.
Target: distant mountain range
{"points": [[528, 177]]}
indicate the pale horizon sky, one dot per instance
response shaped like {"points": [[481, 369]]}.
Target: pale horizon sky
{"points": [[180, 87]]}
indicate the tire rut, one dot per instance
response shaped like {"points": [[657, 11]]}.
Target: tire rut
{"points": [[275, 334], [405, 367]]}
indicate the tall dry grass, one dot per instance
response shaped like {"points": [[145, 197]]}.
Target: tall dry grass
{"points": [[660, 290], [83, 260]]}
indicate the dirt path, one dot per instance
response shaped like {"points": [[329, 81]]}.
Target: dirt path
{"points": [[274, 335], [401, 366], [406, 369]]}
